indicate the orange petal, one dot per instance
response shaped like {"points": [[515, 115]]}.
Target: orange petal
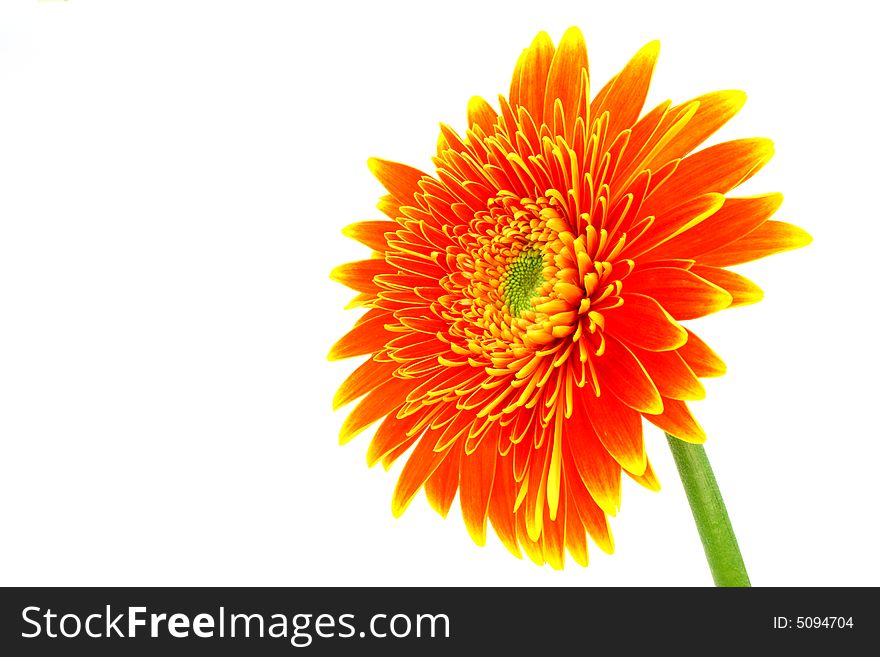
{"points": [[536, 495], [715, 109], [441, 486], [677, 421], [648, 479], [513, 94], [671, 374], [643, 322], [619, 428], [533, 76], [477, 477], [359, 275], [452, 431], [740, 288], [371, 233], [391, 457], [389, 206], [373, 313], [501, 504], [480, 113], [593, 518], [736, 217], [575, 537], [768, 238], [389, 436], [677, 219], [626, 96], [365, 378], [621, 373], [700, 358], [413, 346], [532, 547], [682, 293], [665, 130], [718, 168], [642, 136], [421, 464], [584, 455], [365, 338], [399, 179], [553, 536], [360, 301], [565, 77], [383, 399]]}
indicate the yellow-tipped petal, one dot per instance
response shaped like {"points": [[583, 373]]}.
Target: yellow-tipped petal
{"points": [[768, 238], [400, 180]]}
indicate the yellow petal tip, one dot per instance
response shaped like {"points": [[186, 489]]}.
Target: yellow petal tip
{"points": [[651, 49], [802, 238]]}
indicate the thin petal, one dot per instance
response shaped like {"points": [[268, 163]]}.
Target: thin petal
{"points": [[481, 113], [477, 478], [669, 223], [533, 76], [389, 206], [359, 275], [513, 94], [718, 169], [389, 436], [401, 180], [564, 77], [622, 374], [365, 378], [536, 496], [575, 536], [440, 488], [584, 455], [365, 338], [501, 504], [642, 138], [384, 399], [360, 301], [743, 291], [671, 375], [553, 536], [626, 97], [737, 217], [643, 322], [532, 547], [677, 421], [715, 109], [648, 479], [682, 293], [768, 238], [593, 518], [704, 362], [421, 464], [619, 428], [371, 233]]}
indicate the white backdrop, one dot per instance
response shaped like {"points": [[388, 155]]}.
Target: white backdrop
{"points": [[173, 181]]}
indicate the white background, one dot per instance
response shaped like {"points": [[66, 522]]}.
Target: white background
{"points": [[173, 181]]}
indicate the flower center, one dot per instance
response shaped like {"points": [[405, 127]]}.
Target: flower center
{"points": [[520, 281], [527, 283]]}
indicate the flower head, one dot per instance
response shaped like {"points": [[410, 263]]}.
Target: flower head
{"points": [[524, 302]]}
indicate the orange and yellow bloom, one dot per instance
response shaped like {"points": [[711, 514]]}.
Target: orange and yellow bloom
{"points": [[524, 302]]}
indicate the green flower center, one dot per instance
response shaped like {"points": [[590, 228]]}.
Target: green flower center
{"points": [[522, 279]]}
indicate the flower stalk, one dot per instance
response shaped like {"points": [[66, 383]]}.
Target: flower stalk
{"points": [[710, 514]]}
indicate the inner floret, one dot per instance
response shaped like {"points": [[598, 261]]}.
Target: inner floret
{"points": [[521, 280]]}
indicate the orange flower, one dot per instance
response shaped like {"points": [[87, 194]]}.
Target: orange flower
{"points": [[524, 301]]}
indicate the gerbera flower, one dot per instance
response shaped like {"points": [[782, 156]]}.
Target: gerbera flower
{"points": [[524, 301]]}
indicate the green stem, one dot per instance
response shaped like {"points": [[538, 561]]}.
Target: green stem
{"points": [[710, 514]]}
